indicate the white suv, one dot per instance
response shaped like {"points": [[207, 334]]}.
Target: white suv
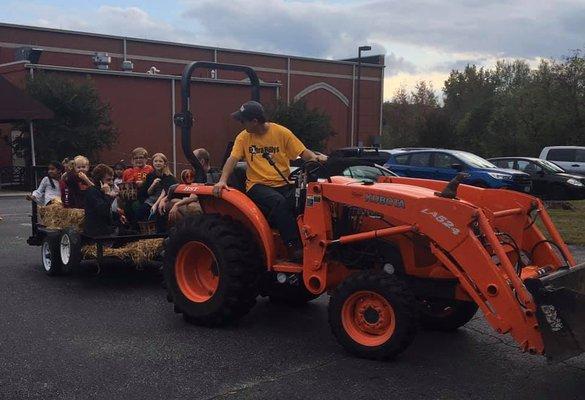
{"points": [[569, 158]]}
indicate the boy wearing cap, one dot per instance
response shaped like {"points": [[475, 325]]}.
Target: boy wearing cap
{"points": [[260, 143]]}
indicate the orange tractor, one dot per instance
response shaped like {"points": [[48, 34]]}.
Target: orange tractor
{"points": [[393, 255]]}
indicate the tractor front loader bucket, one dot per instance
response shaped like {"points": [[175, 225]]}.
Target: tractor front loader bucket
{"points": [[560, 300]]}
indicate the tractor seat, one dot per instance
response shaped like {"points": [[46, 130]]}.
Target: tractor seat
{"points": [[237, 179]]}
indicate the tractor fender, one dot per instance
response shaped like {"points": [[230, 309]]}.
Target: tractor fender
{"points": [[238, 206]]}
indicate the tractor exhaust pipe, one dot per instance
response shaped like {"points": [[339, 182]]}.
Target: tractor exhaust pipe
{"points": [[560, 301]]}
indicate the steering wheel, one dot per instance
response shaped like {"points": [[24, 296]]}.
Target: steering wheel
{"points": [[310, 167]]}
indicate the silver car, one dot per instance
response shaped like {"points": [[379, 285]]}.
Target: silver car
{"points": [[569, 158]]}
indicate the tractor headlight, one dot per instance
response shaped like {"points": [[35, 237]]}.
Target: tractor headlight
{"points": [[501, 177], [574, 182]]}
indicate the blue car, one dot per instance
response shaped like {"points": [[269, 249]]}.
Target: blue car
{"points": [[444, 165]]}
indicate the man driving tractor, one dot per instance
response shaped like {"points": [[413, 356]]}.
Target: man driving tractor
{"points": [[267, 149]]}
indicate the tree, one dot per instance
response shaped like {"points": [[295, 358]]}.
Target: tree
{"points": [[81, 125], [510, 109], [414, 119], [311, 126], [469, 97]]}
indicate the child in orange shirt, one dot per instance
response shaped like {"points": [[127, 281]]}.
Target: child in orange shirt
{"points": [[136, 174], [139, 168]]}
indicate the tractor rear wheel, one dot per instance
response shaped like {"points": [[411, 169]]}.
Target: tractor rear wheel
{"points": [[373, 315], [446, 315], [211, 269]]}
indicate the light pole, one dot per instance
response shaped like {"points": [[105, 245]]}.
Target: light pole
{"points": [[359, 79]]}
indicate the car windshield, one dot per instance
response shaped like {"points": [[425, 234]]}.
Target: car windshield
{"points": [[550, 167], [473, 160]]}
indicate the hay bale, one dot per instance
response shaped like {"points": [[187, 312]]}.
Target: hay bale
{"points": [[55, 216], [139, 252]]}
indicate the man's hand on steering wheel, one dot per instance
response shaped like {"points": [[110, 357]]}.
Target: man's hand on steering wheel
{"points": [[322, 158]]}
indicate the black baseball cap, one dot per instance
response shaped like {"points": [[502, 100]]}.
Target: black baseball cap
{"points": [[248, 111]]}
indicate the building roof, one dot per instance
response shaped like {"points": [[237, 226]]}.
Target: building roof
{"points": [[15, 105], [371, 61]]}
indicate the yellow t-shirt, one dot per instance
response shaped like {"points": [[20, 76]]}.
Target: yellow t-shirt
{"points": [[282, 145]]}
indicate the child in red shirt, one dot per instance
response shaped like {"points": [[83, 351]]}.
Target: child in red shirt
{"points": [[139, 169], [75, 183], [136, 174]]}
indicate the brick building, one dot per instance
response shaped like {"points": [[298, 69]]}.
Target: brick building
{"points": [[143, 103]]}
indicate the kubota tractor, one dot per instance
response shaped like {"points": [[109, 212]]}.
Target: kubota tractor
{"points": [[393, 255]]}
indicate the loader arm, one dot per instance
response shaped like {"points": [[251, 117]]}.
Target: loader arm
{"points": [[463, 236]]}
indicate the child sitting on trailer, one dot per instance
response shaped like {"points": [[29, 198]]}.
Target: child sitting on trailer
{"points": [[154, 190], [75, 183], [99, 219], [139, 168], [119, 169], [48, 190]]}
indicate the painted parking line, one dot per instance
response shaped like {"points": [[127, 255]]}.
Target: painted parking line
{"points": [[15, 215]]}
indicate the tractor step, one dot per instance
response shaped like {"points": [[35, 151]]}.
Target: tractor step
{"points": [[560, 300], [286, 266]]}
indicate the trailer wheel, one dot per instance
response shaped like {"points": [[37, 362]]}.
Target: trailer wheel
{"points": [[446, 315], [373, 315], [50, 256], [211, 269], [70, 249]]}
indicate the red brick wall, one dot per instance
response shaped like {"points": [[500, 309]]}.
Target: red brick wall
{"points": [[141, 107]]}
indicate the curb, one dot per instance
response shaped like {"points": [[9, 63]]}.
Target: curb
{"points": [[13, 194]]}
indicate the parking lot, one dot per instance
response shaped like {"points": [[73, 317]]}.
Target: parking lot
{"points": [[114, 335]]}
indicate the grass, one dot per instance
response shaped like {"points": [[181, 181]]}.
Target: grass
{"points": [[570, 223]]}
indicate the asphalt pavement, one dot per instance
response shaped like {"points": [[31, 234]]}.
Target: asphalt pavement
{"points": [[114, 336]]}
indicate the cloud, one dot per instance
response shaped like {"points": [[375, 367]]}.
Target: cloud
{"points": [[420, 38], [459, 64], [310, 29], [111, 20], [409, 81], [133, 21], [521, 28], [446, 34], [396, 65]]}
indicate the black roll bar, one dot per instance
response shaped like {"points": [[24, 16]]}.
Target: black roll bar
{"points": [[184, 119]]}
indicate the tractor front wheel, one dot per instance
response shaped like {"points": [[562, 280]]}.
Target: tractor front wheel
{"points": [[211, 269], [373, 315]]}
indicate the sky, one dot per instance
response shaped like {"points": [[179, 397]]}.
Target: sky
{"points": [[421, 39]]}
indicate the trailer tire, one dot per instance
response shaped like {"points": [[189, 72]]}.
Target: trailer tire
{"points": [[70, 249], [446, 315], [373, 315], [50, 256], [212, 269]]}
